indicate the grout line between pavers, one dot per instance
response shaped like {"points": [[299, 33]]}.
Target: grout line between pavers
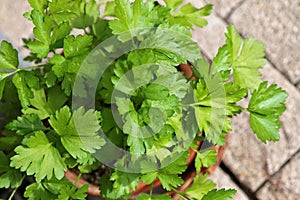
{"points": [[232, 10], [281, 73], [297, 83], [275, 173], [251, 195]]}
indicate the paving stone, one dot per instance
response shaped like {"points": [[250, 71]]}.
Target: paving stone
{"points": [[223, 8], [224, 181], [212, 36], [12, 24], [245, 155], [277, 24], [285, 184]]}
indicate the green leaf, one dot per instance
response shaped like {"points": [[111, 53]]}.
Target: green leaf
{"points": [[59, 33], [101, 29], [10, 105], [77, 46], [149, 177], [39, 158], [175, 45], [78, 133], [55, 186], [9, 140], [38, 191], [110, 8], [265, 107], [39, 102], [56, 189], [3, 78], [157, 197], [211, 107], [170, 181], [42, 31], [50, 79], [193, 16], [245, 57], [66, 68], [9, 177], [71, 192], [64, 10], [24, 82], [233, 95], [2, 86], [176, 167], [168, 176], [220, 194], [173, 4], [220, 62], [88, 14], [268, 100], [200, 187], [56, 98], [26, 124], [38, 5], [205, 158], [88, 168], [106, 188], [38, 48], [124, 182], [266, 128], [131, 19], [8, 56], [44, 107]]}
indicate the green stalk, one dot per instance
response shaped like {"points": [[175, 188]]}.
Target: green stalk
{"points": [[15, 190], [180, 194], [30, 67], [151, 190], [77, 179]]}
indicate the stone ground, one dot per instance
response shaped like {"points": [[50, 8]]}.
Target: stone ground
{"points": [[258, 171]]}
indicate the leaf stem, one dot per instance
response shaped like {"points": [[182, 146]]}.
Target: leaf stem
{"points": [[31, 67], [15, 190], [151, 189], [193, 104], [180, 194], [13, 194], [77, 179]]}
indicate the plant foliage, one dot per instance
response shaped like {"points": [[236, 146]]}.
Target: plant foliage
{"points": [[44, 134]]}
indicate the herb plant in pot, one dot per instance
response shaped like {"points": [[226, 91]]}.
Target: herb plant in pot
{"points": [[130, 98]]}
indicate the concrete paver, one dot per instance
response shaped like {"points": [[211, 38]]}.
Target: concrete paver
{"points": [[12, 23], [224, 181], [212, 36], [223, 8], [277, 24], [285, 184]]}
